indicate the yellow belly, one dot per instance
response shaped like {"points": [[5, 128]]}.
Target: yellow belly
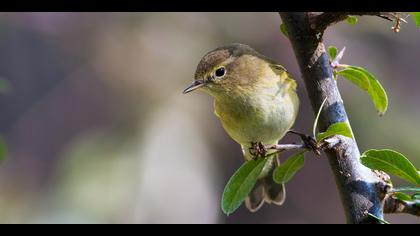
{"points": [[264, 117]]}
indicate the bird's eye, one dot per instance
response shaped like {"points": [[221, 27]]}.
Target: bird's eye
{"points": [[220, 72]]}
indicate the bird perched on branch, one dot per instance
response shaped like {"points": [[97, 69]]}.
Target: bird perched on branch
{"points": [[255, 99]]}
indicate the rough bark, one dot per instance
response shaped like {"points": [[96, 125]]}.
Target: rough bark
{"points": [[360, 188]]}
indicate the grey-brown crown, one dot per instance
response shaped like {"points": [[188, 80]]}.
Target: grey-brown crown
{"points": [[220, 54]]}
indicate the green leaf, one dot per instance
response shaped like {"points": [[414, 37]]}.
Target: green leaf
{"points": [[416, 18], [3, 149], [340, 128], [332, 51], [285, 172], [4, 86], [283, 30], [352, 20], [402, 196], [391, 162], [241, 184], [375, 90], [407, 189], [356, 77]]}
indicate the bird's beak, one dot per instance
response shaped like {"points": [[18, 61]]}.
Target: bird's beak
{"points": [[195, 85]]}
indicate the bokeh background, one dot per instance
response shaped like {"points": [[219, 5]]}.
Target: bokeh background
{"points": [[99, 132]]}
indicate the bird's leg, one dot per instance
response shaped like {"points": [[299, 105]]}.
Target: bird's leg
{"points": [[262, 150], [309, 141], [253, 150], [257, 149]]}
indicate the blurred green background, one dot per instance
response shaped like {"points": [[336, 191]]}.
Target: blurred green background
{"points": [[99, 132]]}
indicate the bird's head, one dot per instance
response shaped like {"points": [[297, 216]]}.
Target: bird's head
{"points": [[227, 69]]}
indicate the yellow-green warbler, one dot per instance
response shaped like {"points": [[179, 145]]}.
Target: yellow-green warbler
{"points": [[255, 99]]}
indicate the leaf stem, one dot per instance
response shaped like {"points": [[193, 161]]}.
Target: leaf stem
{"points": [[317, 117]]}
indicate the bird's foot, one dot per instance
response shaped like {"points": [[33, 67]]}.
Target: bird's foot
{"points": [[309, 142], [257, 149]]}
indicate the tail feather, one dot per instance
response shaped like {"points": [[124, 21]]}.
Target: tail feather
{"points": [[274, 192], [256, 198], [266, 190]]}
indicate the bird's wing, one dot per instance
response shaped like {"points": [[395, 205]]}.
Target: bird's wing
{"points": [[284, 74]]}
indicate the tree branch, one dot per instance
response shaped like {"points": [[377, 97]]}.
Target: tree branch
{"points": [[359, 187], [393, 205], [321, 22]]}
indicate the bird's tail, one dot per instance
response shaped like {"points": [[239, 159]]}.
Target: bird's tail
{"points": [[266, 190]]}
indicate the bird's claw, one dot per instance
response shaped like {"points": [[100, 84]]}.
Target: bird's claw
{"points": [[309, 142], [312, 144], [257, 149]]}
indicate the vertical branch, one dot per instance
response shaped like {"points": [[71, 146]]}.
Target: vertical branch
{"points": [[358, 185]]}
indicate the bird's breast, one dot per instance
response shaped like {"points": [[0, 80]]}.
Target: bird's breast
{"points": [[263, 116]]}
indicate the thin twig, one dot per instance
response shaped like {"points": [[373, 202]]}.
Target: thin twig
{"points": [[286, 147], [328, 143], [321, 22], [393, 206], [261, 150]]}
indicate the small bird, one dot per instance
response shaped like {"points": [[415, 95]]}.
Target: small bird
{"points": [[256, 101]]}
